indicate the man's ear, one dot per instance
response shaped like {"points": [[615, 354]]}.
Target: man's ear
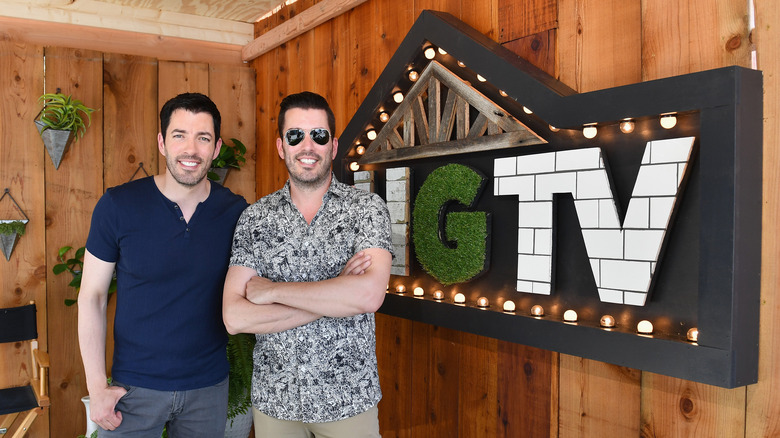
{"points": [[217, 148], [335, 148], [279, 148], [161, 143]]}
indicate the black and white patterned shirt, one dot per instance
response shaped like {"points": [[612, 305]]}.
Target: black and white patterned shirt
{"points": [[325, 370]]}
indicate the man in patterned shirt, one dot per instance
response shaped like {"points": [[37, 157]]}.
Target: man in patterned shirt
{"points": [[289, 282]]}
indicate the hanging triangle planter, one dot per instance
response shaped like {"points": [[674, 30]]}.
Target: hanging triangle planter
{"points": [[8, 241], [56, 142], [220, 172]]}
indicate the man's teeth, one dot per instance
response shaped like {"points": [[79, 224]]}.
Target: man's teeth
{"points": [[308, 161], [189, 163]]}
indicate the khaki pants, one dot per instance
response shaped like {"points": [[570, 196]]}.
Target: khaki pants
{"points": [[365, 425]]}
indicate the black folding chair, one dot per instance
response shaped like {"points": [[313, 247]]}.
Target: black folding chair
{"points": [[18, 324]]}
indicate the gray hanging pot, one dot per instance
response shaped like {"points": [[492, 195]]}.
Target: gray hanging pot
{"points": [[218, 174], [8, 241], [56, 142]]}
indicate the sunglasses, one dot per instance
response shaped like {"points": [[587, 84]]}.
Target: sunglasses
{"points": [[294, 136]]}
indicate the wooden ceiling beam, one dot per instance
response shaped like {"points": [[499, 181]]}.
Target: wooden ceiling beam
{"points": [[297, 25]]}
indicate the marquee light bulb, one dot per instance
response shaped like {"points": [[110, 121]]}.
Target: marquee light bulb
{"points": [[371, 134], [384, 117], [413, 75], [418, 291], [644, 327], [537, 310], [607, 321], [360, 149], [627, 126], [589, 131], [693, 334], [438, 295], [554, 129], [668, 121], [442, 51], [570, 316], [509, 306], [430, 52], [459, 298], [398, 97], [527, 110], [354, 166], [483, 302], [481, 78], [400, 289]]}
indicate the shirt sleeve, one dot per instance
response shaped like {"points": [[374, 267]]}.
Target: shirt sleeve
{"points": [[102, 240], [374, 230], [242, 253]]}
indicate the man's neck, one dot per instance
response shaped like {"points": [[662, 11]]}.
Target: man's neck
{"points": [[308, 199], [186, 197]]}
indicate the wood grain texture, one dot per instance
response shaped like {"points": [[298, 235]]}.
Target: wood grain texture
{"points": [[693, 36], [71, 193], [394, 357], [130, 112], [233, 90], [526, 398], [763, 398], [522, 18], [599, 43], [21, 162]]}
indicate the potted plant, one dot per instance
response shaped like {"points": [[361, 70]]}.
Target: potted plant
{"points": [[10, 230], [61, 120], [239, 351], [230, 156]]}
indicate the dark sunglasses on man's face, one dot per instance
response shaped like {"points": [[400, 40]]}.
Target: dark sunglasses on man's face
{"points": [[293, 136]]}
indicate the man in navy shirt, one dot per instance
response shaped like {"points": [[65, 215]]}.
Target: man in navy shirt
{"points": [[168, 238]]}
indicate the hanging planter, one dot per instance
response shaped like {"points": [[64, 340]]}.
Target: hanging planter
{"points": [[229, 157], [11, 229], [60, 122]]}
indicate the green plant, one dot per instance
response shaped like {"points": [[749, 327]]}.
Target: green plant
{"points": [[61, 112], [239, 352], [12, 227], [229, 156], [74, 266]]}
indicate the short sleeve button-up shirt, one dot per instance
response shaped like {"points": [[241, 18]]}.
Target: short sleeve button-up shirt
{"points": [[325, 370]]}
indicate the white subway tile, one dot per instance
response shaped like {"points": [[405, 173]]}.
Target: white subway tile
{"points": [[603, 243], [588, 213], [608, 215], [635, 298], [579, 159], [593, 185], [625, 275], [505, 166], [638, 214], [536, 163], [656, 180], [673, 150], [643, 244], [525, 240], [533, 267], [611, 296], [522, 186], [535, 214], [561, 182], [660, 211], [543, 241]]}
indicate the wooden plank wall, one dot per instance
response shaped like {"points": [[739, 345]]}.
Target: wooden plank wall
{"points": [[439, 382], [120, 144]]}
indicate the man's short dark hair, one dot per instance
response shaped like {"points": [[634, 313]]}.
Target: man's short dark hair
{"points": [[194, 103], [306, 100]]}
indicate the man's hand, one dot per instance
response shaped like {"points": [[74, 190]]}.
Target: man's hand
{"points": [[102, 407], [357, 265]]}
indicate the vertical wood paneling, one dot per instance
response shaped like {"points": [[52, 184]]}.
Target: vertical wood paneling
{"points": [[394, 357], [763, 398], [130, 102], [477, 395], [675, 407], [174, 78], [693, 36], [521, 18], [21, 155], [597, 399], [526, 384], [233, 90], [599, 43], [71, 194]]}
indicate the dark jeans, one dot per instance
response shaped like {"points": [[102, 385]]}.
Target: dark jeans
{"points": [[198, 413]]}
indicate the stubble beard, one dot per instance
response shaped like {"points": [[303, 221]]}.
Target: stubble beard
{"points": [[185, 178]]}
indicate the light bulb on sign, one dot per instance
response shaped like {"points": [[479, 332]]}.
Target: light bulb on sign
{"points": [[589, 131], [668, 121], [509, 306], [627, 126]]}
